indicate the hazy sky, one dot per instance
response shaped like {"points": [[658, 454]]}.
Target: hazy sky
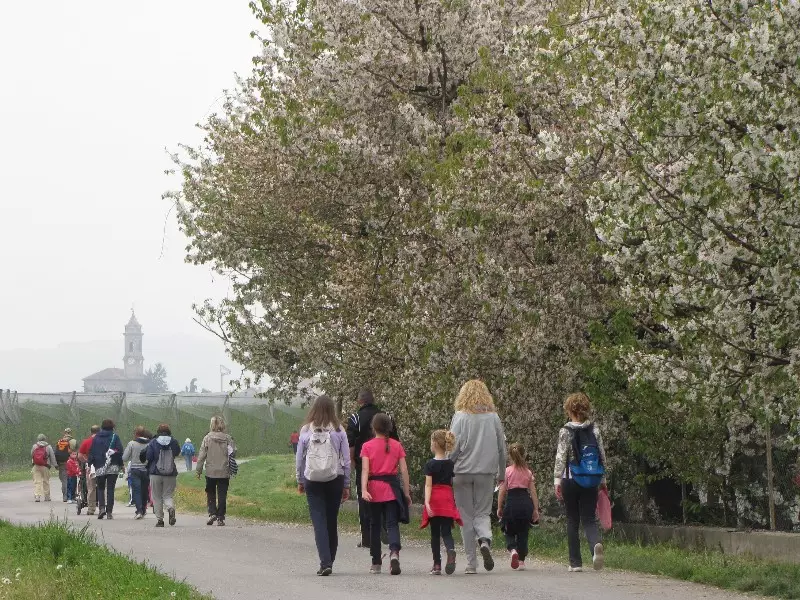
{"points": [[92, 93]]}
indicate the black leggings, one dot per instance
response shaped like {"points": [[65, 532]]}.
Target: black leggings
{"points": [[441, 530], [581, 505], [517, 537], [105, 492]]}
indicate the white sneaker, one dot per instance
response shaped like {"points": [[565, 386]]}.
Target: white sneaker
{"points": [[598, 560], [576, 570], [521, 566]]}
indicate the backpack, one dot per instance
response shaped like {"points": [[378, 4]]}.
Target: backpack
{"points": [[322, 459], [40, 456], [187, 450], [587, 470], [62, 451], [363, 428], [165, 465]]}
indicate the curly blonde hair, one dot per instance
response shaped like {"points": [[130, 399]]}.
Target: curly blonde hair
{"points": [[474, 397], [578, 405]]}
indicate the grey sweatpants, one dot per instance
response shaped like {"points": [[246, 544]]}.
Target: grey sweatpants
{"points": [[474, 493], [163, 493]]}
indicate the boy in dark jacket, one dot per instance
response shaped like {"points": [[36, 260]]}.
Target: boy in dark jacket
{"points": [[105, 455], [160, 457]]}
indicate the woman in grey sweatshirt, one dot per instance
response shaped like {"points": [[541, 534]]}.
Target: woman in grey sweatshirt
{"points": [[480, 461]]}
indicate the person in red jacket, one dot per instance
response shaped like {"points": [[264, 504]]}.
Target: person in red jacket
{"points": [[73, 470], [294, 439], [91, 481]]}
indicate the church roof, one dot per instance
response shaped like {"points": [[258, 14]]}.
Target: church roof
{"points": [[133, 323], [107, 374]]}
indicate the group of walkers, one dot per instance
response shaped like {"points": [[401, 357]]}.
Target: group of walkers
{"points": [[470, 461], [101, 460]]}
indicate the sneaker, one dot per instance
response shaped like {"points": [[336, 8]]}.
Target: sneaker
{"points": [[598, 560], [486, 553], [138, 517], [47, 499], [172, 519], [514, 560], [575, 570], [470, 571], [394, 561], [436, 570], [450, 567], [211, 519], [324, 572], [160, 523], [521, 566], [375, 570], [109, 516], [102, 514], [65, 500], [90, 512], [37, 499], [220, 522]]}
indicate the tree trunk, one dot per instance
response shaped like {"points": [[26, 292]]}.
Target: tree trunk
{"points": [[770, 478]]}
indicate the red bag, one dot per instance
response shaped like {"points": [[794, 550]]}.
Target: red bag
{"points": [[40, 456], [604, 509]]}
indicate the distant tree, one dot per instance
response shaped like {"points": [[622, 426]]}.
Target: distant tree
{"points": [[193, 386], [155, 380], [205, 391]]}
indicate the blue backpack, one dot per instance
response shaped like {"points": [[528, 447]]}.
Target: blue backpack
{"points": [[587, 470]]}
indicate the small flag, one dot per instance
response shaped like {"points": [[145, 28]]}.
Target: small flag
{"points": [[223, 370]]}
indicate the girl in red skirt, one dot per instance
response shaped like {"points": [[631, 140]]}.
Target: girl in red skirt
{"points": [[440, 510]]}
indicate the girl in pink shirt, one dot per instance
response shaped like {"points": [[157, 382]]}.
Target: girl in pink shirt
{"points": [[381, 458], [518, 505]]}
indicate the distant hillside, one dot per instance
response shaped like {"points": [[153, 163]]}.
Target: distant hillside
{"points": [[62, 368]]}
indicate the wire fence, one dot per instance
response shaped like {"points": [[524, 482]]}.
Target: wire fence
{"points": [[257, 426]]}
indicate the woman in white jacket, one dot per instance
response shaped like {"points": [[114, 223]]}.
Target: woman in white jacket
{"points": [[480, 462]]}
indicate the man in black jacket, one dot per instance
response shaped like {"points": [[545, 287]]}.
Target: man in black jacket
{"points": [[359, 432]]}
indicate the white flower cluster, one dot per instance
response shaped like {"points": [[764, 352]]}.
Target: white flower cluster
{"points": [[409, 194]]}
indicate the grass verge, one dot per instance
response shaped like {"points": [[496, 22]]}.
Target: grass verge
{"points": [[17, 474], [265, 490], [53, 560]]}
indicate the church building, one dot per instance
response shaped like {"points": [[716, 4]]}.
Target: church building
{"points": [[131, 377]]}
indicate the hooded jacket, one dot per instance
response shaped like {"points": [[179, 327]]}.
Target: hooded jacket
{"points": [[154, 449], [132, 452], [565, 453], [101, 444], [214, 454], [51, 456]]}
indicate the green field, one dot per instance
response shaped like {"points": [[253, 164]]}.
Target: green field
{"points": [[265, 490], [257, 429], [54, 560]]}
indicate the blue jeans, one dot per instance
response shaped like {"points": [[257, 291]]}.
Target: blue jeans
{"points": [[140, 482], [72, 484], [188, 463], [105, 492], [385, 512], [324, 501]]}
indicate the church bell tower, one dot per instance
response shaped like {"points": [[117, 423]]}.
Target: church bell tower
{"points": [[133, 358]]}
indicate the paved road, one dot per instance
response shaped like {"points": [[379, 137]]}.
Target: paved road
{"points": [[245, 561]]}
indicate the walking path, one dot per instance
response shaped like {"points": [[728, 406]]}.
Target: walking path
{"points": [[244, 561]]}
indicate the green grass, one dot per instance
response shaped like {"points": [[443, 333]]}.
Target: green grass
{"points": [[9, 475], [53, 560], [265, 490]]}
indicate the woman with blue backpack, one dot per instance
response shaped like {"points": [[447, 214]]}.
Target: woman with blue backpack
{"points": [[323, 475], [579, 474], [188, 452]]}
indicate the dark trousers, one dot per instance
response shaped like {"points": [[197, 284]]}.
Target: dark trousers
{"points": [[441, 531], [517, 537], [363, 509], [581, 506], [294, 448], [217, 496], [140, 483], [72, 484], [324, 501], [105, 492], [383, 512]]}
